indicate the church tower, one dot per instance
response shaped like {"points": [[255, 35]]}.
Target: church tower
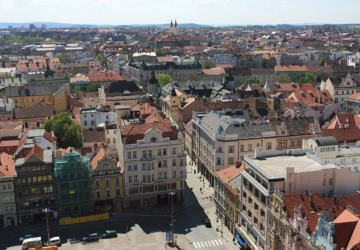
{"points": [[153, 86], [174, 28]]}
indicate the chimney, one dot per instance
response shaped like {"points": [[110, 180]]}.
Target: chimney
{"points": [[310, 198], [334, 199]]}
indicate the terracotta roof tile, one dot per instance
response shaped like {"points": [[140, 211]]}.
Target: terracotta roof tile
{"points": [[355, 237], [105, 77], [228, 173], [37, 151], [7, 166], [214, 71], [100, 153], [344, 227]]}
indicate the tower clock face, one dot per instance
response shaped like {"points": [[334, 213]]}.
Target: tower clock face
{"points": [[153, 139]]}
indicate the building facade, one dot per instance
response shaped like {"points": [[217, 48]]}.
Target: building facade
{"points": [[34, 183], [73, 185], [154, 163], [106, 183]]}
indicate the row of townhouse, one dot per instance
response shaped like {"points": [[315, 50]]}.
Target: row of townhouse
{"points": [[294, 198]]}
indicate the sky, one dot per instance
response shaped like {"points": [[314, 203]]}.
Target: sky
{"points": [[211, 12]]}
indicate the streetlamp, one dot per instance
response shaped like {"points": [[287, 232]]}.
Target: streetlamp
{"points": [[46, 211], [172, 217]]}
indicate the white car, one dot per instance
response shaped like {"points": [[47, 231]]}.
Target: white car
{"points": [[27, 236]]}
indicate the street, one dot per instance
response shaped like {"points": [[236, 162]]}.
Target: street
{"points": [[145, 228]]}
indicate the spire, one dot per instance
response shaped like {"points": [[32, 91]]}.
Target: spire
{"points": [[175, 23], [266, 87], [153, 79], [171, 24]]}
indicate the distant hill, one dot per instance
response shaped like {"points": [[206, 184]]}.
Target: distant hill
{"points": [[73, 25], [52, 25]]}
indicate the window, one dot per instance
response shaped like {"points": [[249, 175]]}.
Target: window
{"points": [[249, 214], [174, 162], [262, 213], [114, 140], [159, 164], [255, 220], [4, 187], [118, 192], [144, 178], [256, 206], [135, 167], [164, 163], [249, 200], [85, 123], [220, 149], [129, 168], [181, 162], [250, 187], [144, 166], [244, 194], [268, 145], [250, 147], [35, 190], [108, 140], [181, 174], [218, 161], [165, 175], [292, 143], [160, 176], [152, 178], [231, 149], [261, 227], [324, 233], [152, 165], [282, 144], [134, 155], [148, 178], [9, 186], [130, 179], [330, 181], [244, 208], [150, 153], [299, 143], [117, 180], [231, 160], [107, 181], [148, 166], [174, 174], [92, 123], [97, 182], [144, 153], [48, 189], [164, 151], [129, 155], [159, 152], [174, 151]]}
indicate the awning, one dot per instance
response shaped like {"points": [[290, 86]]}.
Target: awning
{"points": [[240, 239]]}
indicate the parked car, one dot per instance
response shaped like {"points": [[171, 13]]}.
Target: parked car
{"points": [[91, 237], [109, 234], [27, 236], [54, 241], [207, 222]]}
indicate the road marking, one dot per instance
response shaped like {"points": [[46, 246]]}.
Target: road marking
{"points": [[205, 244], [220, 242], [213, 243], [195, 244], [217, 243], [201, 244]]}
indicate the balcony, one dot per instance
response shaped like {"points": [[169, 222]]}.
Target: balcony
{"points": [[147, 158]]}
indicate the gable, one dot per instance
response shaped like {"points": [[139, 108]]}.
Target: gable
{"points": [[32, 158]]}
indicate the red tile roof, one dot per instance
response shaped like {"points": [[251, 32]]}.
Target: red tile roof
{"points": [[344, 227], [355, 238], [37, 151], [7, 165], [228, 173], [132, 133], [290, 68], [214, 72], [100, 153], [351, 133], [105, 77]]}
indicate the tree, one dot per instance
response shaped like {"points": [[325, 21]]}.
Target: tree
{"points": [[77, 89], [61, 58], [252, 79], [2, 94], [192, 76], [125, 48], [322, 61], [208, 64], [159, 52], [67, 132], [263, 63], [6, 75], [283, 78], [94, 87], [163, 79], [101, 59], [308, 78]]}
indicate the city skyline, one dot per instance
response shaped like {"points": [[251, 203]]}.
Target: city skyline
{"points": [[207, 12]]}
